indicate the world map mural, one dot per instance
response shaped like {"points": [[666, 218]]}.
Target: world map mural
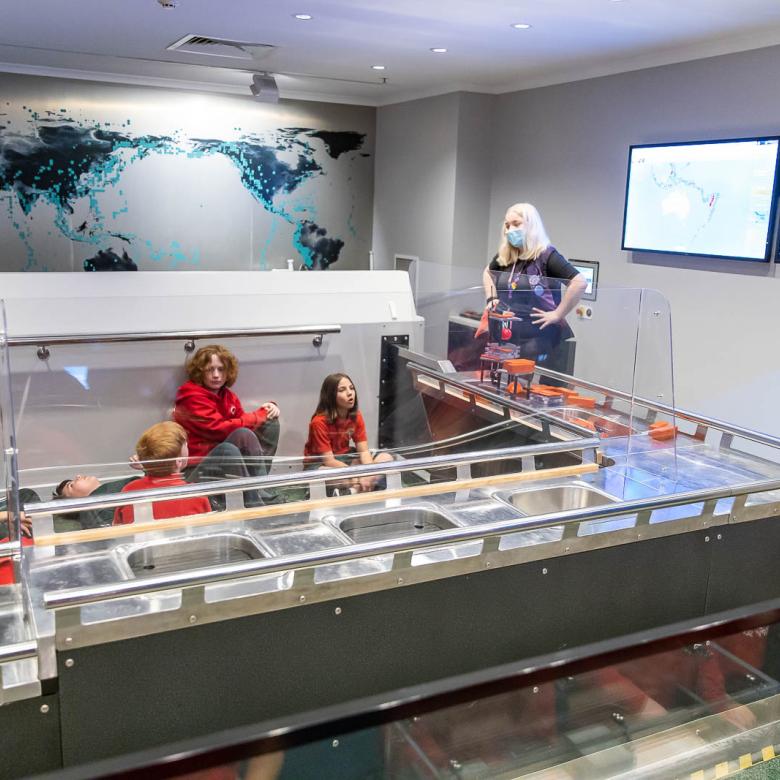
{"points": [[93, 193]]}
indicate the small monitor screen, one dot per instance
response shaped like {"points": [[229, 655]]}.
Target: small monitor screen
{"points": [[590, 272], [713, 198]]}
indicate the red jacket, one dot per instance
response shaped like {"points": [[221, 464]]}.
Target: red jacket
{"points": [[175, 507], [209, 418]]}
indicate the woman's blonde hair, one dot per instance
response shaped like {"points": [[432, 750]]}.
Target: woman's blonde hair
{"points": [[536, 239]]}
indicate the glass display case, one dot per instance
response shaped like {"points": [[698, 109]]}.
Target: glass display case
{"points": [[507, 478]]}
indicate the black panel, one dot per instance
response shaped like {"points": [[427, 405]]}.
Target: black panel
{"points": [[745, 565], [402, 419], [30, 738], [156, 689]]}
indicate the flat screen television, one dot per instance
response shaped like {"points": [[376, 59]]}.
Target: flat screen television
{"points": [[708, 198]]}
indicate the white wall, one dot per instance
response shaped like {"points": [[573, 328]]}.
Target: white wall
{"points": [[565, 149]]}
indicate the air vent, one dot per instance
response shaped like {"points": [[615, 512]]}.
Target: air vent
{"points": [[221, 47]]}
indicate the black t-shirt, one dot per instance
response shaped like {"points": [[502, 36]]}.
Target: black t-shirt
{"points": [[557, 266]]}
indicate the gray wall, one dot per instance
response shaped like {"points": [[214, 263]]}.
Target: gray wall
{"points": [[565, 149], [433, 178], [415, 174]]}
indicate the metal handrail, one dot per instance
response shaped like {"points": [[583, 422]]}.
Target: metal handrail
{"points": [[19, 651], [173, 335], [736, 430], [62, 506], [90, 594]]}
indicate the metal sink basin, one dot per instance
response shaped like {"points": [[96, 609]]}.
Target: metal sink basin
{"points": [[556, 498], [393, 523], [193, 553]]}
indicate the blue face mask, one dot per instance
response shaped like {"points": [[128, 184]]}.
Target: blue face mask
{"points": [[516, 237]]}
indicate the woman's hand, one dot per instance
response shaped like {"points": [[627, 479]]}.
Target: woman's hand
{"points": [[271, 409], [544, 318], [135, 463]]}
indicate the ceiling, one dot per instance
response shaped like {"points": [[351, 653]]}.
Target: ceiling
{"points": [[331, 56]]}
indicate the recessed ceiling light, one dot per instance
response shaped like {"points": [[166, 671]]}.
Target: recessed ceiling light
{"points": [[377, 67], [439, 50], [303, 17], [521, 26]]}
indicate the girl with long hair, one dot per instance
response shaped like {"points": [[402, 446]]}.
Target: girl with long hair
{"points": [[337, 432]]}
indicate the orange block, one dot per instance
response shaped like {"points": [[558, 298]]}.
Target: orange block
{"points": [[519, 366], [582, 401], [583, 423], [515, 387], [662, 431], [547, 390], [568, 392]]}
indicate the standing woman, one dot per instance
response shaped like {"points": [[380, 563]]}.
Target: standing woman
{"points": [[212, 413], [524, 278]]}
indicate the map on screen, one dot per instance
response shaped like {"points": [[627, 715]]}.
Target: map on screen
{"points": [[712, 198]]}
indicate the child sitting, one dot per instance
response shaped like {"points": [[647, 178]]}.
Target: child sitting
{"points": [[162, 451], [337, 421]]}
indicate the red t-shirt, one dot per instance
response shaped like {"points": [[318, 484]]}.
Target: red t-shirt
{"points": [[326, 436], [176, 507]]}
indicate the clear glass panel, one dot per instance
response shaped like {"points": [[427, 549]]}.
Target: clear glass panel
{"points": [[687, 710], [9, 497], [435, 381], [702, 710]]}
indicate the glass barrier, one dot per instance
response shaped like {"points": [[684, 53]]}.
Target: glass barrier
{"points": [[9, 497], [605, 369], [455, 379], [708, 708]]}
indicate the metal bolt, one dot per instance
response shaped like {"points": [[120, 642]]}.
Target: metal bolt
{"points": [[544, 571], [720, 536], [44, 708], [69, 663], [706, 538], [335, 743], [301, 598], [656, 314], [400, 580], [566, 549], [337, 610], [68, 640], [536, 689], [193, 619], [487, 564]]}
